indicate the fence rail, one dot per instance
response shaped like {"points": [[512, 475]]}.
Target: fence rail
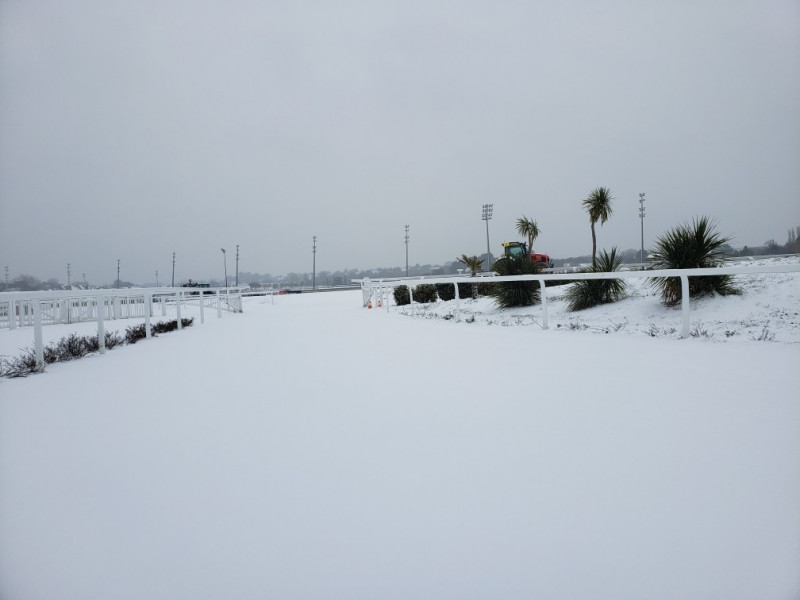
{"points": [[37, 309], [380, 289]]}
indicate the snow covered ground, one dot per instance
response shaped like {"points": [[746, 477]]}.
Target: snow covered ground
{"points": [[310, 448]]}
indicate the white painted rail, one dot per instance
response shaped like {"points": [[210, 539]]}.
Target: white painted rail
{"points": [[382, 287], [37, 309]]}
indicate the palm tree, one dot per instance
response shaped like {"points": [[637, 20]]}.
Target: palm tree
{"points": [[598, 205], [474, 264], [528, 228]]}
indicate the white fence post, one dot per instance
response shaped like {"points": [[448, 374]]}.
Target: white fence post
{"points": [[684, 306], [37, 335], [219, 305], [178, 300], [12, 313], [202, 308], [544, 303], [148, 303], [101, 328]]}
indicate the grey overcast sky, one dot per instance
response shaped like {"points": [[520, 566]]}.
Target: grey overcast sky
{"points": [[132, 130]]}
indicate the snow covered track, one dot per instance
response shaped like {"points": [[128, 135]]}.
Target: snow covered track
{"points": [[278, 455]]}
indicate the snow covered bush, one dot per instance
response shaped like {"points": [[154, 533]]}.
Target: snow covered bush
{"points": [[446, 291], [515, 293], [695, 246], [425, 293], [586, 293], [401, 297]]}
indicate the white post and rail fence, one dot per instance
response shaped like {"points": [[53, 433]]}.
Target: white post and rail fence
{"points": [[38, 309], [382, 288]]}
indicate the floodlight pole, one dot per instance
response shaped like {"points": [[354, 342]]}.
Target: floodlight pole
{"points": [[69, 280], [237, 265], [225, 261], [173, 269], [156, 277], [117, 273], [314, 264], [486, 216], [641, 217], [6, 288], [406, 250]]}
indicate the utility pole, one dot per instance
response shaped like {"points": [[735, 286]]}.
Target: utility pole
{"points": [[237, 265], [641, 216], [69, 281], [6, 288], [117, 273], [486, 216], [314, 265], [156, 277], [225, 259], [173, 269], [406, 250]]}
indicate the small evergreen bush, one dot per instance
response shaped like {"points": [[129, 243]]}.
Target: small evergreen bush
{"points": [[695, 246], [507, 294], [135, 333], [401, 297], [446, 291], [586, 293], [425, 293]]}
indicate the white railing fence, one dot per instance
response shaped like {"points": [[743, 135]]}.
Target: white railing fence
{"points": [[37, 309], [381, 289]]}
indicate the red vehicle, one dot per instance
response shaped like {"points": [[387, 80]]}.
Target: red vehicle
{"points": [[514, 249]]}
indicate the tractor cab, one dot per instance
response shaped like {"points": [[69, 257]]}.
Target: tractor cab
{"points": [[515, 249]]}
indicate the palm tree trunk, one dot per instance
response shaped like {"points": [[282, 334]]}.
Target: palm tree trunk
{"points": [[594, 248]]}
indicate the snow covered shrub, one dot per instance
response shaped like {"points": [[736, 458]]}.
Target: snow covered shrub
{"points": [[515, 293], [167, 326], [71, 347], [446, 291], [586, 293], [425, 293], [135, 333], [113, 339], [401, 297], [695, 246], [19, 366]]}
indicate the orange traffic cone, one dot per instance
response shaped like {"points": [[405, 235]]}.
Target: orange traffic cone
{"points": [[369, 304], [379, 302]]}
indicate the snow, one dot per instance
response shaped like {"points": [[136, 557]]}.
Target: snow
{"points": [[311, 448]]}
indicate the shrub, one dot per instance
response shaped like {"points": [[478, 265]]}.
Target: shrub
{"points": [[113, 339], [425, 293], [586, 293], [19, 366], [71, 347], [467, 290], [401, 297], [135, 333], [446, 291], [695, 246], [515, 293]]}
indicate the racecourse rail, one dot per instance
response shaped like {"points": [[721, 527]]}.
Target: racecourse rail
{"points": [[36, 309], [380, 288]]}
